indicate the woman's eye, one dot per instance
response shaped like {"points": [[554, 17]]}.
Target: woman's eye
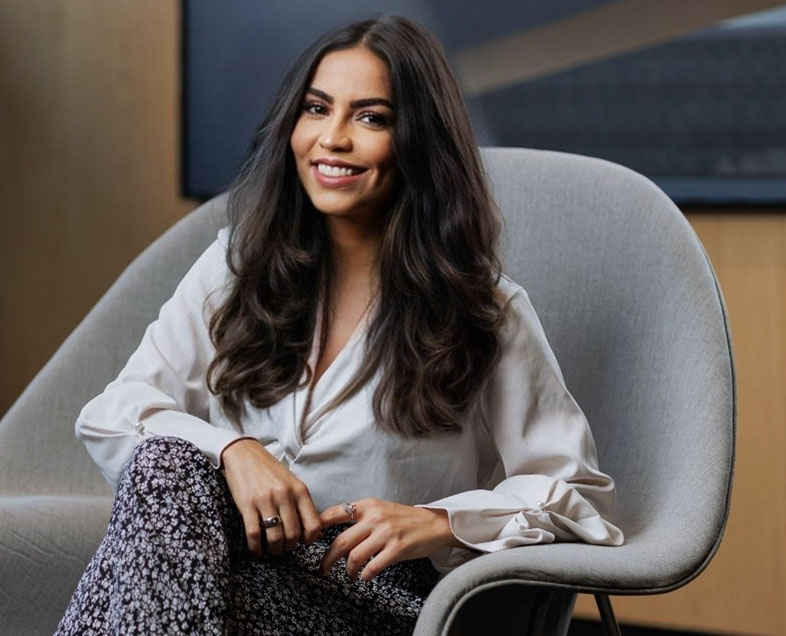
{"points": [[315, 108], [374, 118]]}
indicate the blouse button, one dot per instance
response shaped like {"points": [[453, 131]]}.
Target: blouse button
{"points": [[140, 428], [539, 505]]}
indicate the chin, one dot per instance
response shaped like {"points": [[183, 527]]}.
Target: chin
{"points": [[337, 212], [333, 208]]}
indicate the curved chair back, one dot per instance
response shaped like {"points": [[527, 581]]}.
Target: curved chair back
{"points": [[632, 308]]}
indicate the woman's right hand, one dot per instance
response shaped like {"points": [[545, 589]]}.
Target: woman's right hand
{"points": [[263, 487]]}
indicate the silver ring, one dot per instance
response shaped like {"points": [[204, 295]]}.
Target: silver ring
{"points": [[271, 521], [350, 509]]}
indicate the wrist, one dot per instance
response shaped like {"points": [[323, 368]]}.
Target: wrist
{"points": [[234, 443], [444, 530]]}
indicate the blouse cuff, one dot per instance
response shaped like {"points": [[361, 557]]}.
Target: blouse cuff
{"points": [[489, 521]]}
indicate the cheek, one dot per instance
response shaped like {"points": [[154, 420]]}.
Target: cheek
{"points": [[383, 157], [299, 140]]}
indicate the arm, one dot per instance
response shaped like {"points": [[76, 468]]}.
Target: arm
{"points": [[162, 390], [553, 489]]}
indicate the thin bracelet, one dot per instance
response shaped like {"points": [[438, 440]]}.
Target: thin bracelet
{"points": [[234, 441]]}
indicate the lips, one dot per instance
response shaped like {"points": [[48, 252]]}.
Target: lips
{"points": [[338, 163], [335, 176], [335, 173]]}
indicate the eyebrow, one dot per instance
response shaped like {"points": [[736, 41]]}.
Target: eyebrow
{"points": [[358, 103]]}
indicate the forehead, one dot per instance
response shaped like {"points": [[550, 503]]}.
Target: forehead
{"points": [[353, 73]]}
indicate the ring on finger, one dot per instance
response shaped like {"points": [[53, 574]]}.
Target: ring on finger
{"points": [[350, 509], [270, 522]]}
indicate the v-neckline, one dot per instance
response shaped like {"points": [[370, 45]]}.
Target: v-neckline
{"points": [[315, 389], [312, 360]]}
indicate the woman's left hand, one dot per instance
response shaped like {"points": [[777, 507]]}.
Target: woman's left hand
{"points": [[392, 531]]}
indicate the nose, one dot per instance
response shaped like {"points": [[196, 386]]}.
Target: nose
{"points": [[335, 136]]}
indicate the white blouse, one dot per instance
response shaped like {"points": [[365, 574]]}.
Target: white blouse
{"points": [[522, 471]]}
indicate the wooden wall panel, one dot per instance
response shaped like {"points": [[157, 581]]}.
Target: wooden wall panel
{"points": [[89, 137], [742, 590]]}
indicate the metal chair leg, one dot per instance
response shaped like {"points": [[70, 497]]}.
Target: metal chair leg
{"points": [[540, 609], [610, 626]]}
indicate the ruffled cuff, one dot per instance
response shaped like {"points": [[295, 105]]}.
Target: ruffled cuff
{"points": [[488, 521]]}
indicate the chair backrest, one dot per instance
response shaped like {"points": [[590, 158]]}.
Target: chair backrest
{"points": [[633, 311], [39, 453], [627, 297]]}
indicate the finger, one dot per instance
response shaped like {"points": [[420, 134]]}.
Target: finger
{"points": [[386, 557], [291, 523], [310, 520], [341, 546], [274, 534], [337, 514], [362, 553], [253, 532]]}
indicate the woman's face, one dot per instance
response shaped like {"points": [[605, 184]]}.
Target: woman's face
{"points": [[343, 140]]}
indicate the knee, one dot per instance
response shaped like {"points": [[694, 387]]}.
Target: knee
{"points": [[165, 458], [167, 450], [164, 485]]}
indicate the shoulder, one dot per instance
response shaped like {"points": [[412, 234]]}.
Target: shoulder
{"points": [[214, 257], [215, 253], [222, 238], [508, 288], [522, 329], [210, 272], [515, 301]]}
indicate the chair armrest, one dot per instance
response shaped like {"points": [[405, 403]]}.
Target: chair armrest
{"points": [[45, 544], [643, 565]]}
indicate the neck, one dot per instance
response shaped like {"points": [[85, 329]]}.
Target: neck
{"points": [[355, 248]]}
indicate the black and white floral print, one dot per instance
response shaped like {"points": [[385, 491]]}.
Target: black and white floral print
{"points": [[175, 561]]}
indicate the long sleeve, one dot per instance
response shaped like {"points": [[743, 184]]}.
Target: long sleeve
{"points": [[553, 490], [162, 388]]}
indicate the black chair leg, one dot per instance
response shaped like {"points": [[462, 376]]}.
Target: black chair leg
{"points": [[607, 617], [540, 608]]}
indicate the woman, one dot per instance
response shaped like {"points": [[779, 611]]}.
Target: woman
{"points": [[378, 399]]}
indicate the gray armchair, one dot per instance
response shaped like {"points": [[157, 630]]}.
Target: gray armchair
{"points": [[634, 313]]}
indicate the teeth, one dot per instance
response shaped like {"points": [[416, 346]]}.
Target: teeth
{"points": [[336, 171]]}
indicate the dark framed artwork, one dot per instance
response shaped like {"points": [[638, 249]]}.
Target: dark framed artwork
{"points": [[704, 115]]}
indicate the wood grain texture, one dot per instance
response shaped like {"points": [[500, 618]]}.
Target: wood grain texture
{"points": [[742, 590], [89, 159], [89, 156]]}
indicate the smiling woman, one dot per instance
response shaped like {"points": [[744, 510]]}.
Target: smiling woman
{"points": [[343, 140], [345, 397]]}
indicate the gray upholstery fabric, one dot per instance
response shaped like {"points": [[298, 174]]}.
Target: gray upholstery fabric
{"points": [[631, 307], [45, 544]]}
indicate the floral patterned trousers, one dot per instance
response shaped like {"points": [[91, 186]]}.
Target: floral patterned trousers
{"points": [[175, 561]]}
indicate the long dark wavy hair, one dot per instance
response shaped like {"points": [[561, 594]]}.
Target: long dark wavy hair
{"points": [[434, 334]]}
